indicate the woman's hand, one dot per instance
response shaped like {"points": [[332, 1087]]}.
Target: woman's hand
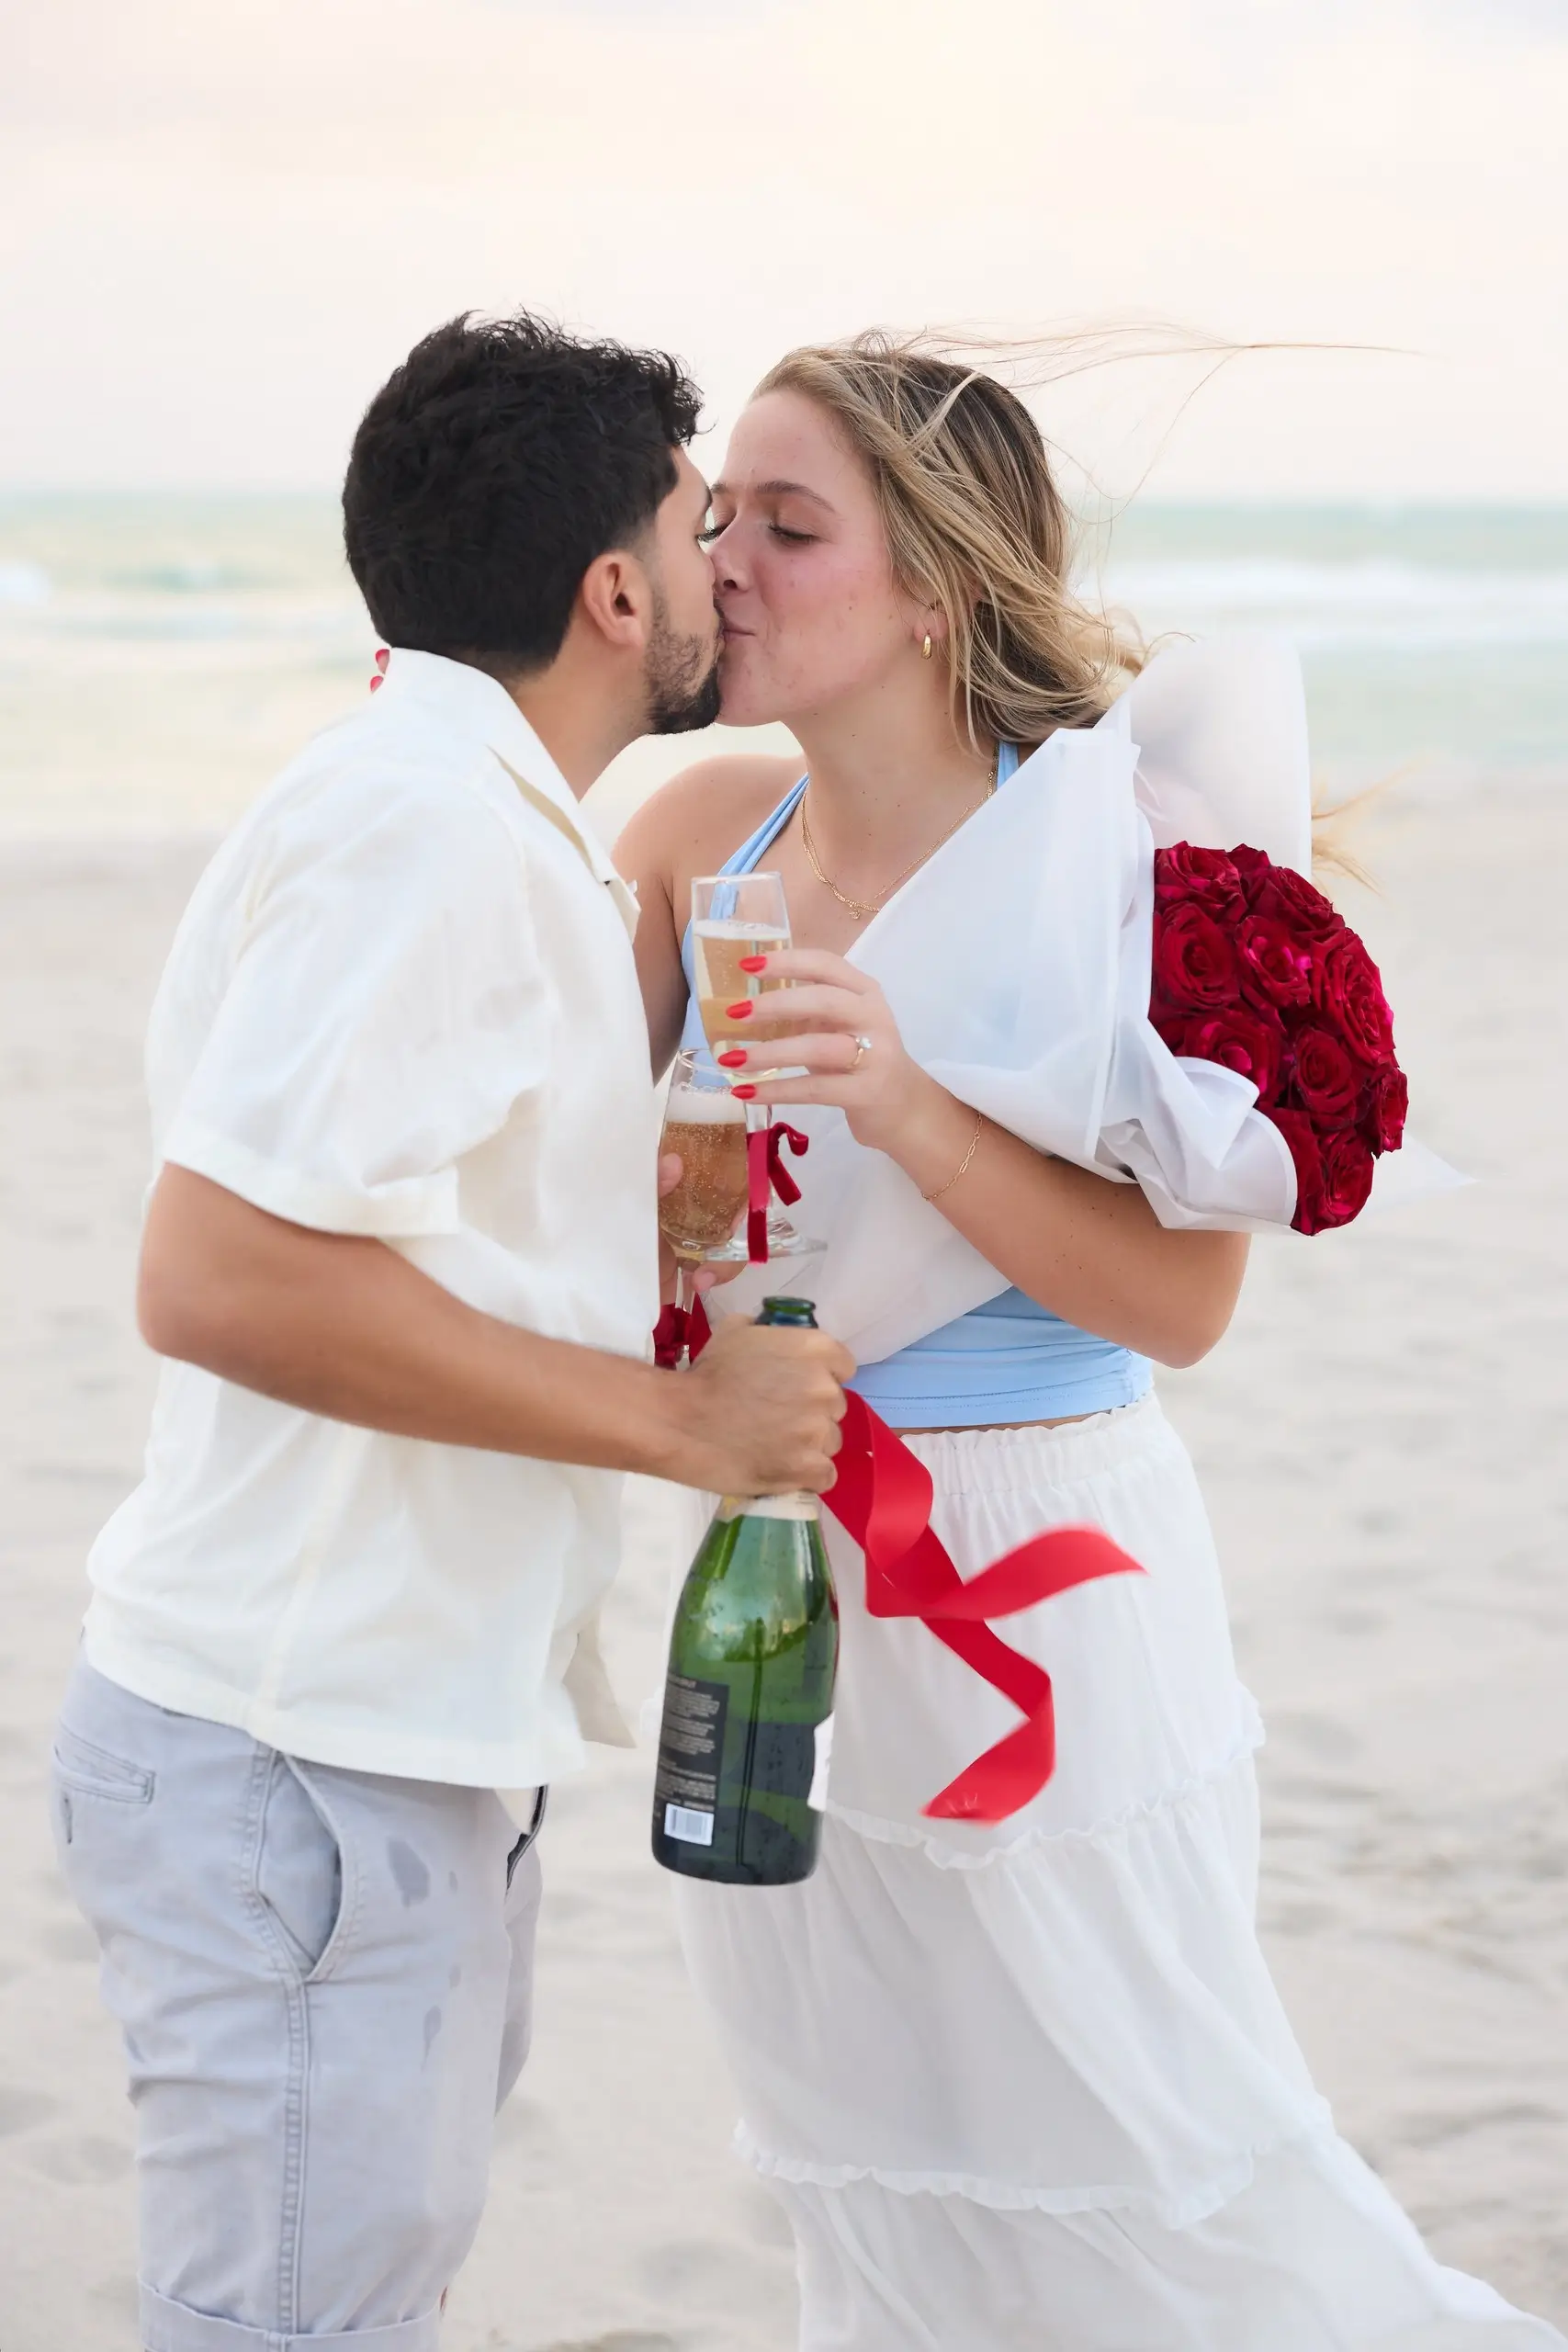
{"points": [[886, 1096], [1091, 1250]]}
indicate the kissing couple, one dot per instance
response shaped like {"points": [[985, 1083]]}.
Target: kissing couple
{"points": [[1018, 2082]]}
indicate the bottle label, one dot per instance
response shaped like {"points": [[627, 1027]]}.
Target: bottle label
{"points": [[685, 1823], [691, 1749]]}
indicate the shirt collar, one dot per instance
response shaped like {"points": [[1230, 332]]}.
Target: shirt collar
{"points": [[478, 706]]}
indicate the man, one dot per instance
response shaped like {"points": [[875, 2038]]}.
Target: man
{"points": [[401, 1255]]}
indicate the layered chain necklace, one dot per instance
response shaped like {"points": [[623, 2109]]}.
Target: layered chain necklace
{"points": [[863, 909]]}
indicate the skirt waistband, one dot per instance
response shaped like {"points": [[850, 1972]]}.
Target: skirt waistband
{"points": [[1018, 1460]]}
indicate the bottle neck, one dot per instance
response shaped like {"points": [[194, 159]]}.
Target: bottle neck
{"points": [[794, 1506]]}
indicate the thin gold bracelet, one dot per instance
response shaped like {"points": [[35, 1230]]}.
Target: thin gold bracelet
{"points": [[963, 1167]]}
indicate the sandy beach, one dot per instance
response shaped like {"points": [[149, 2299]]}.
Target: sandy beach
{"points": [[1381, 1440]]}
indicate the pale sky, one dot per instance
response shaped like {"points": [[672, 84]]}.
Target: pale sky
{"points": [[221, 221]]}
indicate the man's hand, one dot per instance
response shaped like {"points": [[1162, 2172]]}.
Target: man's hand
{"points": [[670, 1172], [760, 1410], [343, 1326]]}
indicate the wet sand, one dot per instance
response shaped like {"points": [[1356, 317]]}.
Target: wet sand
{"points": [[1380, 1439]]}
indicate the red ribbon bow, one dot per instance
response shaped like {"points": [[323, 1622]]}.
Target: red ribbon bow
{"points": [[883, 1497], [765, 1171], [679, 1331]]}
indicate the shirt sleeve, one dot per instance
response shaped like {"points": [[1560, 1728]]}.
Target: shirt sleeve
{"points": [[385, 1011]]}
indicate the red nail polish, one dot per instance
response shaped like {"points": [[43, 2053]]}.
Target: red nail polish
{"points": [[383, 655], [733, 1059], [741, 1011], [753, 963], [744, 1093], [376, 681]]}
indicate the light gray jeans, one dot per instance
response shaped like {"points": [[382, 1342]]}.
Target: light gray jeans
{"points": [[323, 1981]]}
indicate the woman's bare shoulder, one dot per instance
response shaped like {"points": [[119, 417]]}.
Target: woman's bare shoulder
{"points": [[704, 813]]}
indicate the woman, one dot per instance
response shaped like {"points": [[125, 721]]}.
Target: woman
{"points": [[1024, 2083]]}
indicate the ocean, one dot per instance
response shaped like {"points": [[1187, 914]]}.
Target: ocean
{"points": [[160, 656]]}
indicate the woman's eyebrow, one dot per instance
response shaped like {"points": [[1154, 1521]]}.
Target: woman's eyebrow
{"points": [[777, 489]]}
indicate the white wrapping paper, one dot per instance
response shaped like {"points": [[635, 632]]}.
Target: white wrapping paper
{"points": [[1017, 964]]}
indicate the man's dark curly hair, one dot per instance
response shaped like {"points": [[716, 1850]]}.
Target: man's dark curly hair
{"points": [[490, 470]]}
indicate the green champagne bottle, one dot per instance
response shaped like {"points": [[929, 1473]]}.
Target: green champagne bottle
{"points": [[749, 1700]]}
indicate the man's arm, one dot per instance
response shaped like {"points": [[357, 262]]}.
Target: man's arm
{"points": [[345, 1328]]}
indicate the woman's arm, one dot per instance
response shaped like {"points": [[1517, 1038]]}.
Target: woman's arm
{"points": [[641, 854], [1091, 1250]]}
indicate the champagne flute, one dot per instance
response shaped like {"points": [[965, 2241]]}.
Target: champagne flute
{"points": [[735, 919], [706, 1126]]}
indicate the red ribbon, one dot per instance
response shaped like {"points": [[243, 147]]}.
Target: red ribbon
{"points": [[883, 1498], [679, 1331], [784, 1182], [757, 1180], [765, 1173]]}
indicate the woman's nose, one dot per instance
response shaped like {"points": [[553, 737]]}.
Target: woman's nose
{"points": [[725, 557]]}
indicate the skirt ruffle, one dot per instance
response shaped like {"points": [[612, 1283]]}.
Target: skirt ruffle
{"points": [[1311, 2254], [1032, 2084]]}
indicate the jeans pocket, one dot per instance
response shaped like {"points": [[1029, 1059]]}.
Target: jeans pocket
{"points": [[298, 1869], [84, 1770]]}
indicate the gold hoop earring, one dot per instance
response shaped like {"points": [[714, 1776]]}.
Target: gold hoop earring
{"points": [[925, 648]]}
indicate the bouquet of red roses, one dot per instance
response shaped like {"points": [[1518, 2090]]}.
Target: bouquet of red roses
{"points": [[1254, 970]]}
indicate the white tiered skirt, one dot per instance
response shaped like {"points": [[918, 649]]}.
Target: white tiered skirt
{"points": [[1030, 2085]]}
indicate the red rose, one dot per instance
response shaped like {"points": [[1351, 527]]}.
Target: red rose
{"points": [[1347, 1176], [1346, 989], [1388, 1098], [1252, 867], [1302, 1137], [1194, 960], [1275, 967], [1250, 1042], [1292, 900], [1326, 1081], [1185, 871], [1334, 1172]]}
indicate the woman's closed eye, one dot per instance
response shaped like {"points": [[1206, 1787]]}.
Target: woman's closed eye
{"points": [[716, 530]]}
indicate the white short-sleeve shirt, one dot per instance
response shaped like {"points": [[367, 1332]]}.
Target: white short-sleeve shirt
{"points": [[401, 1004]]}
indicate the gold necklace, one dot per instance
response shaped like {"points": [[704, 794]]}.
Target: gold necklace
{"points": [[863, 909]]}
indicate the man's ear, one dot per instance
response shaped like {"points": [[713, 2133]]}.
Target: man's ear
{"points": [[616, 599]]}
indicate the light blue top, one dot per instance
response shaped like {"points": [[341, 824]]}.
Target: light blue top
{"points": [[1008, 1360]]}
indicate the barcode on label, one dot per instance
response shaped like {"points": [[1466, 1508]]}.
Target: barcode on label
{"points": [[691, 1827]]}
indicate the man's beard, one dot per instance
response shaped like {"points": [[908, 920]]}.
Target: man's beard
{"points": [[681, 674]]}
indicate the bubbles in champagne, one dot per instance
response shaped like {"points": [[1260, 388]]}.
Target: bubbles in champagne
{"points": [[707, 1127], [718, 945]]}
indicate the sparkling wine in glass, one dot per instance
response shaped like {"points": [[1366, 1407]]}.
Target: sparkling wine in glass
{"points": [[736, 917], [706, 1126]]}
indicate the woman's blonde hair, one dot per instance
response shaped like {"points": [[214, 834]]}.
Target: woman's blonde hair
{"points": [[975, 527]]}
